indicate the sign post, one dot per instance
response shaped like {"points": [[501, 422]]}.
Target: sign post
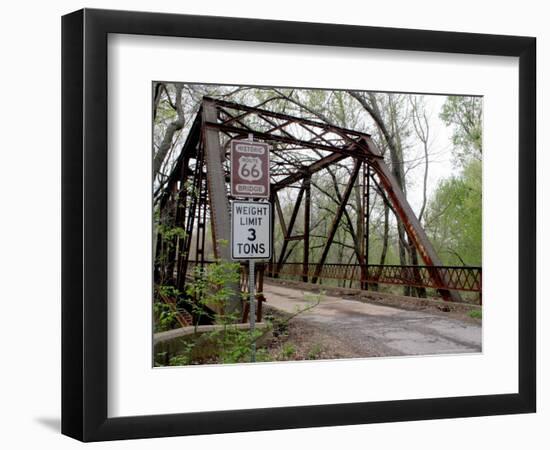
{"points": [[251, 232], [252, 309]]}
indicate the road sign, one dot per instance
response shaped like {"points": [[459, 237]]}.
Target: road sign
{"points": [[250, 230], [249, 169]]}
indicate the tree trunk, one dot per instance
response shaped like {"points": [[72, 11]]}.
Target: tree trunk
{"points": [[171, 129], [385, 239], [393, 140], [420, 291]]}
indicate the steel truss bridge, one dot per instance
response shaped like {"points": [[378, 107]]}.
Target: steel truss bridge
{"points": [[196, 195]]}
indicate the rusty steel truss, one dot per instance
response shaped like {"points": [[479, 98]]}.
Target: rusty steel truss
{"points": [[196, 193]]}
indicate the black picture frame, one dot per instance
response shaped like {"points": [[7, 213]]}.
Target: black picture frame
{"points": [[84, 224]]}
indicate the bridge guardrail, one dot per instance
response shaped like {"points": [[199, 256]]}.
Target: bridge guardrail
{"points": [[460, 278]]}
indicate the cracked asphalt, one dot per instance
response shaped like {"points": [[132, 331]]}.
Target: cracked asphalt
{"points": [[375, 330]]}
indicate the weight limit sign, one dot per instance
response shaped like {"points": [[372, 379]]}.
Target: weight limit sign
{"points": [[250, 230]]}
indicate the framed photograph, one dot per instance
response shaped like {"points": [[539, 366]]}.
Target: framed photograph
{"points": [[273, 225]]}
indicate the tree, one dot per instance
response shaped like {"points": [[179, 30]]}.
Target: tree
{"points": [[454, 219], [176, 124], [392, 118], [464, 115]]}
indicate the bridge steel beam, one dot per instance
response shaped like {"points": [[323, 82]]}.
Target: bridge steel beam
{"points": [[309, 170], [277, 138], [279, 212], [410, 221], [365, 223], [307, 214], [217, 193], [336, 221], [288, 237], [285, 117]]}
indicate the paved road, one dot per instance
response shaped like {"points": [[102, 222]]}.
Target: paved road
{"points": [[379, 330]]}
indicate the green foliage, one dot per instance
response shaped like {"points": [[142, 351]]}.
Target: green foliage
{"points": [[212, 288], [315, 351], [236, 344], [169, 232], [464, 114], [180, 360], [262, 355], [184, 358], [164, 316], [454, 213], [230, 342], [475, 314], [454, 219], [163, 313], [169, 235], [168, 291], [288, 351], [165, 113]]}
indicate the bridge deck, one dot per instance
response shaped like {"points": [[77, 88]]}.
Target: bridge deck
{"points": [[375, 329]]}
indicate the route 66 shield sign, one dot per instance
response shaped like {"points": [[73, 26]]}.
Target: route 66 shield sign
{"points": [[249, 169]]}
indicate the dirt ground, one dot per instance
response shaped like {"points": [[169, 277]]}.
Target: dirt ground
{"points": [[303, 340]]}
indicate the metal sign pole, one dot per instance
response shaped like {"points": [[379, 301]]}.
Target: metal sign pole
{"points": [[252, 294], [251, 222]]}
